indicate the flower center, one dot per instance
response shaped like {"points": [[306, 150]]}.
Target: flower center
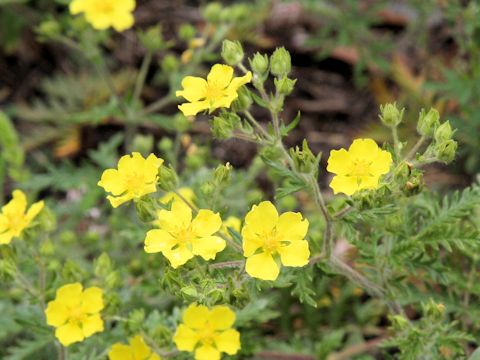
{"points": [[17, 222], [134, 182], [77, 315], [213, 91], [271, 242], [360, 168], [184, 236], [207, 335], [104, 6]]}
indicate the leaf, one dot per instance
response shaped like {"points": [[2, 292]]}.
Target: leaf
{"points": [[27, 349], [285, 130], [259, 100]]}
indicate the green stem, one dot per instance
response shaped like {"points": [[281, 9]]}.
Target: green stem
{"points": [[415, 148], [142, 75], [254, 122], [396, 142]]}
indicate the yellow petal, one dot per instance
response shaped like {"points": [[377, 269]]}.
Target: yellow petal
{"points": [[291, 226], [140, 349], [119, 200], [92, 300], [192, 109], [99, 21], [78, 6], [122, 21], [158, 241], [34, 210], [179, 218], [185, 338], [196, 316], [70, 295], [233, 223], [56, 313], [220, 76], [6, 237], [207, 352], [208, 247], [228, 341], [344, 184], [150, 167], [154, 357], [262, 218], [92, 324], [368, 182], [120, 352], [194, 88], [251, 241], [206, 223], [262, 266], [363, 149], [381, 163], [17, 205], [339, 162], [69, 334], [296, 254], [112, 181], [178, 256], [221, 317]]}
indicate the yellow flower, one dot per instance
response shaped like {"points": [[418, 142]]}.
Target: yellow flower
{"points": [[358, 168], [186, 192], [135, 177], [208, 333], [102, 14], [137, 350], [15, 218], [75, 313], [180, 238], [219, 90], [233, 223], [267, 236]]}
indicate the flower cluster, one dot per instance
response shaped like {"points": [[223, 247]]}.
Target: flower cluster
{"points": [[102, 14], [15, 217], [75, 313], [207, 332]]}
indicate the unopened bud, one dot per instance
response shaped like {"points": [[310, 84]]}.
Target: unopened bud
{"points": [[428, 122], [170, 64], [443, 133], [167, 178], [186, 32], [303, 159], [390, 115], [232, 52], [222, 174], [212, 12], [285, 85], [280, 62], [259, 64], [445, 151], [152, 38]]}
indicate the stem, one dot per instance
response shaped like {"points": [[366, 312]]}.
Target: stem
{"points": [[157, 105], [396, 142], [227, 264], [256, 124], [139, 84], [61, 351], [415, 148]]}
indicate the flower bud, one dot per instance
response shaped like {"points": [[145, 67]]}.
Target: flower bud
{"points": [[212, 12], [445, 151], [146, 210], [284, 85], [143, 144], [280, 62], [222, 126], [304, 160], [167, 178], [48, 30], [186, 32], [428, 122], [170, 64], [390, 115], [243, 101], [399, 322], [152, 38], [222, 174], [259, 64], [443, 133], [414, 184], [232, 52], [434, 310], [403, 171], [207, 189], [165, 145]]}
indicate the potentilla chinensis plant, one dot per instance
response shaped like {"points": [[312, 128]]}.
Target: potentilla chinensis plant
{"points": [[204, 269]]}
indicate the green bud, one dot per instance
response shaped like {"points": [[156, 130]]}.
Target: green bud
{"points": [[428, 122], [443, 133], [48, 30], [280, 62], [390, 115], [433, 310], [207, 189], [243, 101], [170, 64], [414, 185], [146, 210], [212, 12], [304, 160], [445, 151], [102, 265], [165, 145], [152, 38], [181, 122], [222, 174], [168, 179], [222, 126], [399, 322], [215, 295], [186, 32], [259, 64], [284, 85], [189, 292], [47, 248], [143, 144], [403, 171], [232, 52], [136, 319]]}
